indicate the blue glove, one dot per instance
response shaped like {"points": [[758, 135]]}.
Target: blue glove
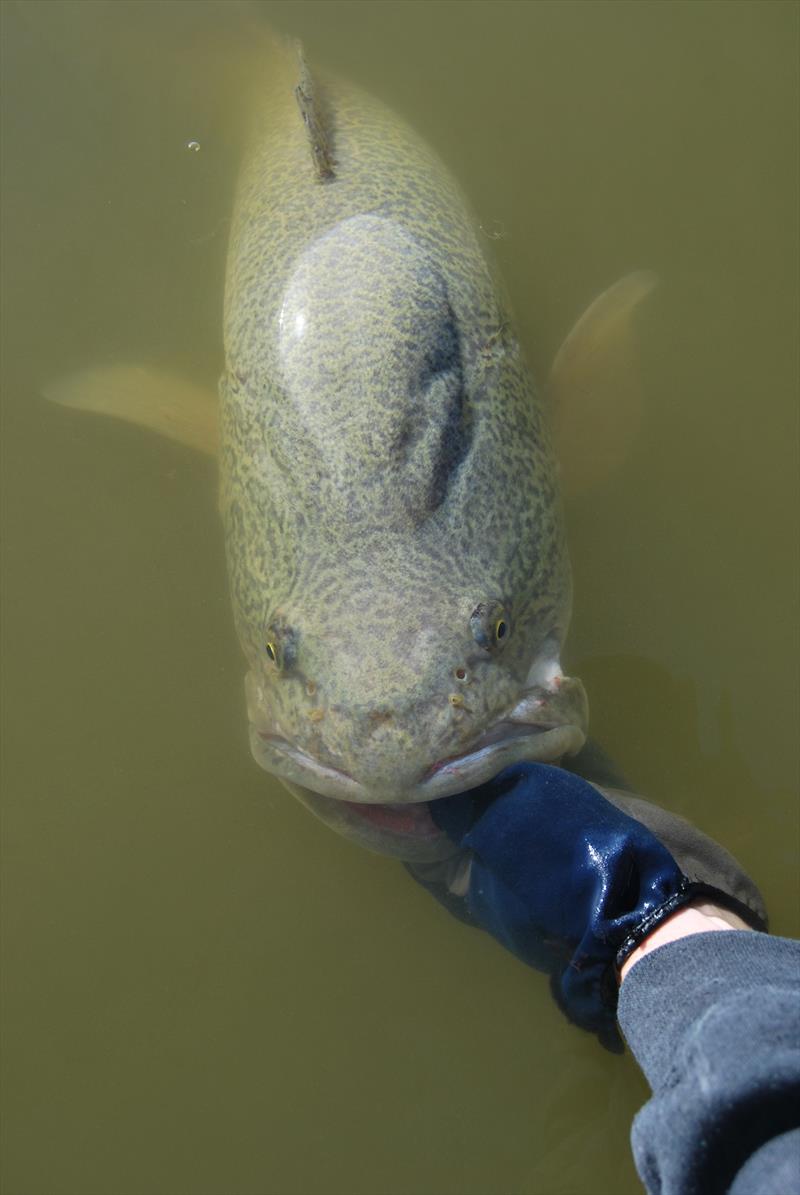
{"points": [[571, 882]]}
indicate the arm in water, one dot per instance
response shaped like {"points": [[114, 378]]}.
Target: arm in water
{"points": [[581, 883]]}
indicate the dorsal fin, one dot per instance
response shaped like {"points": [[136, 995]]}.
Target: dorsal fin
{"points": [[315, 120]]}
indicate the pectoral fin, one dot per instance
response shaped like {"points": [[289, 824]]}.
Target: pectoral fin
{"points": [[162, 402], [594, 387]]}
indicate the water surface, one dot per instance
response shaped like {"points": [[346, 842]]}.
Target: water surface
{"points": [[207, 992]]}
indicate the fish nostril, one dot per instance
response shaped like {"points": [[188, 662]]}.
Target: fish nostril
{"points": [[377, 717], [456, 700], [311, 688]]}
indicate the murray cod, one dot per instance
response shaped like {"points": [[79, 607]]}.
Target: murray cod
{"points": [[388, 485]]}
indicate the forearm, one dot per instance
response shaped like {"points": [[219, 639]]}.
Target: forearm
{"points": [[712, 1019]]}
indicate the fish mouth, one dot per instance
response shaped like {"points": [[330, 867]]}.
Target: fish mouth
{"points": [[397, 818], [506, 742], [399, 831]]}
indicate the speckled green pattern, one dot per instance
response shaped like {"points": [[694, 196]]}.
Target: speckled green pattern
{"points": [[386, 466]]}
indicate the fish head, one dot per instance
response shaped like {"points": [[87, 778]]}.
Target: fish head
{"points": [[371, 705]]}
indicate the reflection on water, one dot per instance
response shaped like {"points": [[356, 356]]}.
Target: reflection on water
{"points": [[206, 990]]}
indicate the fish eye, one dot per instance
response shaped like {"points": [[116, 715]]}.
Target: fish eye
{"points": [[490, 624], [280, 645]]}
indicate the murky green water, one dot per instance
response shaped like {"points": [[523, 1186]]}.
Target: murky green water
{"points": [[207, 992]]}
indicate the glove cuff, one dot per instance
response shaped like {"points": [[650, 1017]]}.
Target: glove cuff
{"points": [[687, 892]]}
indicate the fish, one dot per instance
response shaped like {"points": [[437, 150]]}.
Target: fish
{"points": [[390, 492]]}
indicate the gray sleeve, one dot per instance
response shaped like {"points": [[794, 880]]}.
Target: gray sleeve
{"points": [[714, 1022]]}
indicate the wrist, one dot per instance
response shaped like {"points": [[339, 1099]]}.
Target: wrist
{"points": [[699, 917]]}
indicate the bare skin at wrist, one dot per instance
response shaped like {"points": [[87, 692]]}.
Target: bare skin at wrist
{"points": [[700, 917]]}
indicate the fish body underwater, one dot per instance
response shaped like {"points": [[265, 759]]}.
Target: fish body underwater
{"points": [[397, 558], [388, 486]]}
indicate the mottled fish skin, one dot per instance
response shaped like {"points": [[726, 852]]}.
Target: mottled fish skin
{"points": [[386, 466]]}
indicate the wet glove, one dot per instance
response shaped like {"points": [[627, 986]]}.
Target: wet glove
{"points": [[571, 878]]}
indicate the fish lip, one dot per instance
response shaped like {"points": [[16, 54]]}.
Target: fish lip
{"points": [[493, 736], [489, 754], [293, 764]]}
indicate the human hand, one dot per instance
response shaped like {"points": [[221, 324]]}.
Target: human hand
{"points": [[572, 879]]}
